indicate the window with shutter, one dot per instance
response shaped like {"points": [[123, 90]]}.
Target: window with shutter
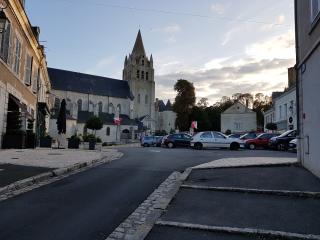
{"points": [[28, 70], [35, 80], [17, 56], [5, 42]]}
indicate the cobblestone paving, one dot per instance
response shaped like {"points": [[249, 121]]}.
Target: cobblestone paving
{"points": [[141, 221], [51, 158]]}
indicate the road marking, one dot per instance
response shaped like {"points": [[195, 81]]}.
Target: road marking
{"points": [[156, 151]]}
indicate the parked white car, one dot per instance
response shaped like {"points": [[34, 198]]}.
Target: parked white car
{"points": [[213, 140]]}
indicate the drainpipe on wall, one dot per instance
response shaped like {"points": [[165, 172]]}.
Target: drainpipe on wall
{"points": [[298, 80]]}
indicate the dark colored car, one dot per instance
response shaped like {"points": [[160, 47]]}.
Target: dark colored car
{"points": [[158, 140], [281, 142], [235, 135], [251, 135], [178, 140], [261, 141]]}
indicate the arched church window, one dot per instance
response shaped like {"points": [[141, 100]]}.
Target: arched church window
{"points": [[138, 74], [138, 98], [79, 105], [100, 105], [142, 62], [147, 76], [108, 131], [111, 108], [146, 99], [142, 74], [119, 108]]}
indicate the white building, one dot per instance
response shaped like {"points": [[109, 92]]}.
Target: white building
{"points": [[308, 68], [166, 117], [284, 111], [131, 99], [238, 118]]}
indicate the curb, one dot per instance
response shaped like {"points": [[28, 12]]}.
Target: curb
{"points": [[249, 165], [29, 182], [243, 231], [303, 194]]}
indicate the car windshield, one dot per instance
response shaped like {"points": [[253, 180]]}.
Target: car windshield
{"points": [[147, 138], [286, 133]]}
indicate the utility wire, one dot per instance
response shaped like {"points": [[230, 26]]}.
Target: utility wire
{"points": [[169, 12]]}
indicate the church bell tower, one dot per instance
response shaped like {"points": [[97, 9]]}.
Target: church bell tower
{"points": [[139, 72]]}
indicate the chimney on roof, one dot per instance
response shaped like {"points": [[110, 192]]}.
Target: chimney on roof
{"points": [[292, 77], [36, 31]]}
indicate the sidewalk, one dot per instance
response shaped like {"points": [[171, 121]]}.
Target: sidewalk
{"points": [[24, 170], [252, 198]]}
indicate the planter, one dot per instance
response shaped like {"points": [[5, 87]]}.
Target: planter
{"points": [[45, 142], [73, 143], [14, 141], [92, 144], [30, 140]]}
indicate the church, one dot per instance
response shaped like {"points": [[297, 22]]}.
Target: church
{"points": [[127, 107]]}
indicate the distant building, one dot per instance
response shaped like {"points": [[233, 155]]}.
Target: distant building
{"points": [[24, 81], [308, 69], [238, 118], [166, 118], [284, 111]]}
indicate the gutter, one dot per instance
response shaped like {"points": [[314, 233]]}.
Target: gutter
{"points": [[298, 79]]}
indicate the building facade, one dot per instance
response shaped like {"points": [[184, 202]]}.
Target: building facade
{"points": [[132, 99], [307, 16], [165, 116], [238, 119], [24, 81]]}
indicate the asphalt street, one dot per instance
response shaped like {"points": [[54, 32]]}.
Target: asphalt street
{"points": [[91, 204], [11, 173]]}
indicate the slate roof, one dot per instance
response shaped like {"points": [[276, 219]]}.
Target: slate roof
{"points": [[89, 84], [165, 107], [107, 118], [138, 45]]}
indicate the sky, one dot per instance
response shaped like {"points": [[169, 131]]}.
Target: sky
{"points": [[222, 46]]}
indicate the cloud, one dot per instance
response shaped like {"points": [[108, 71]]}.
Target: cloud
{"points": [[262, 69], [101, 66], [170, 32], [218, 8], [282, 46]]}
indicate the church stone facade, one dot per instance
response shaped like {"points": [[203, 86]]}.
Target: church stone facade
{"points": [[131, 99]]}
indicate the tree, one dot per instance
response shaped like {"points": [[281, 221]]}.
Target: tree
{"points": [[184, 102], [203, 102], [200, 115], [94, 123], [261, 104]]}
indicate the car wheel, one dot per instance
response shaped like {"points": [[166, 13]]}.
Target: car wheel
{"points": [[146, 145], [170, 145], [234, 146], [280, 147], [198, 146], [252, 146]]}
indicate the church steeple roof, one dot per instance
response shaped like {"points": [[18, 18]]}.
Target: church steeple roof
{"points": [[138, 45]]}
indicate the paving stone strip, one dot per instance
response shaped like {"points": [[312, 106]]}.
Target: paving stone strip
{"points": [[140, 222], [243, 231], [257, 191], [34, 182]]}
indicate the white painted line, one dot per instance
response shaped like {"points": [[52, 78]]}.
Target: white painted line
{"points": [[235, 230], [156, 151]]}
